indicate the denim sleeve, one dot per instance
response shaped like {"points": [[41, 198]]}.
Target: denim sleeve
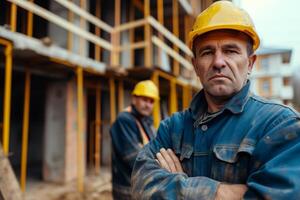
{"points": [[125, 139], [276, 172], [149, 181]]}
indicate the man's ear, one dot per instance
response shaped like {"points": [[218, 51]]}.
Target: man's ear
{"points": [[252, 60], [133, 100]]}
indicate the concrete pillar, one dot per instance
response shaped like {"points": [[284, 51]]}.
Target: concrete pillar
{"points": [[60, 160]]}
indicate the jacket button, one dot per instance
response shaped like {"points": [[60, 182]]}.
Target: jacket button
{"points": [[204, 127]]}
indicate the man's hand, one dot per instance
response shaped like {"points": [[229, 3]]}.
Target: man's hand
{"points": [[168, 160], [230, 191]]}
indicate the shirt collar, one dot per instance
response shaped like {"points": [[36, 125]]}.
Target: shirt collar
{"points": [[235, 105]]}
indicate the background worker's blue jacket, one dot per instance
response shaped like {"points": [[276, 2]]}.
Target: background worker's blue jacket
{"points": [[252, 141], [126, 143]]}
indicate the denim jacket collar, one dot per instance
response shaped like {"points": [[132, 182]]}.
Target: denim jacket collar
{"points": [[235, 105]]}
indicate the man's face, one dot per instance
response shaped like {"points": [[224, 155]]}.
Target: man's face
{"points": [[144, 105], [222, 62]]}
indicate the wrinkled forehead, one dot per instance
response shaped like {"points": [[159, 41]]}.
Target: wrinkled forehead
{"points": [[223, 35]]}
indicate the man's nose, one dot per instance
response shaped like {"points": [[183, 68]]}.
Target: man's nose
{"points": [[219, 60]]}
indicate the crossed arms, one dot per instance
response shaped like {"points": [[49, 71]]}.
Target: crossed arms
{"points": [[158, 173]]}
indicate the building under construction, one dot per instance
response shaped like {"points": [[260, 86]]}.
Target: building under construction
{"points": [[67, 68]]}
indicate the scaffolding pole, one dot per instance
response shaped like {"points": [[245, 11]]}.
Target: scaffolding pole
{"points": [[112, 93], [26, 115], [156, 109], [70, 34], [147, 32], [176, 67], [173, 96], [80, 175], [7, 95], [30, 22], [13, 17]]}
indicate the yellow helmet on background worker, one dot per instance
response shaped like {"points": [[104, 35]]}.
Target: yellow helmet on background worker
{"points": [[146, 89], [224, 15]]}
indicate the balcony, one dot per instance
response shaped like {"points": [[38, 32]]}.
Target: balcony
{"points": [[159, 45]]}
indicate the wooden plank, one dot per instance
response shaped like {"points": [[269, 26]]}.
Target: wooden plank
{"points": [[112, 96], [173, 97], [130, 25], [98, 30], [82, 41], [137, 45], [169, 35], [132, 33], [175, 20], [9, 186], [80, 175], [147, 32], [160, 16], [51, 17], [172, 53], [13, 17], [70, 34], [29, 22], [115, 57], [156, 109], [186, 6], [85, 15]]}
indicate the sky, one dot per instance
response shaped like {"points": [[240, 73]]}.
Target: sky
{"points": [[277, 23]]}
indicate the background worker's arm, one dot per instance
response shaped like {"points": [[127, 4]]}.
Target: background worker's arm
{"points": [[150, 181], [125, 138]]}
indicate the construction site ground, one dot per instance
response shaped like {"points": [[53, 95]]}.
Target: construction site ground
{"points": [[96, 187]]}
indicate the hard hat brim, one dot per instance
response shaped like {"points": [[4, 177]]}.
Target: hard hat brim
{"points": [[244, 29]]}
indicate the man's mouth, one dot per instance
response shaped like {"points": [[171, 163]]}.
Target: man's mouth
{"points": [[219, 76]]}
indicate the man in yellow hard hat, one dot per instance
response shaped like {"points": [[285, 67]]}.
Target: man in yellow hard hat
{"points": [[132, 129], [229, 144]]}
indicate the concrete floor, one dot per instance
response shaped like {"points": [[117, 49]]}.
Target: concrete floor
{"points": [[96, 187]]}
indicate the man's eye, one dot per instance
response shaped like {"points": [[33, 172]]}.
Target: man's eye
{"points": [[230, 51], [205, 53]]}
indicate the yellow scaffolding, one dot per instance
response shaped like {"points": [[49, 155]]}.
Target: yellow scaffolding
{"points": [[7, 94], [25, 130], [80, 174]]}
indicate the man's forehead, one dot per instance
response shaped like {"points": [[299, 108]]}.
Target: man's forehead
{"points": [[222, 35]]}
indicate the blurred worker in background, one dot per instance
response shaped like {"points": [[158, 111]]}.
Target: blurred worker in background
{"points": [[132, 129], [229, 144]]}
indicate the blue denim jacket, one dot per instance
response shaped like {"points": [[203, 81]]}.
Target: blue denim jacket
{"points": [[252, 141], [126, 143]]}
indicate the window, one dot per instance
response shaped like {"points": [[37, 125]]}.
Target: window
{"points": [[265, 64]]}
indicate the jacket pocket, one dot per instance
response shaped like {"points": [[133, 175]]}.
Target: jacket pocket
{"points": [[231, 162]]}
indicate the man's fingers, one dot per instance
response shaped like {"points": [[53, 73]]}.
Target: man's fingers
{"points": [[175, 160], [168, 159], [162, 162]]}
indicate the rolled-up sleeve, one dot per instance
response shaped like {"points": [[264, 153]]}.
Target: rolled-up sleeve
{"points": [[150, 181]]}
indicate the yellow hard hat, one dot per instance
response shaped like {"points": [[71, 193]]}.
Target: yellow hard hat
{"points": [[224, 15], [146, 89]]}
